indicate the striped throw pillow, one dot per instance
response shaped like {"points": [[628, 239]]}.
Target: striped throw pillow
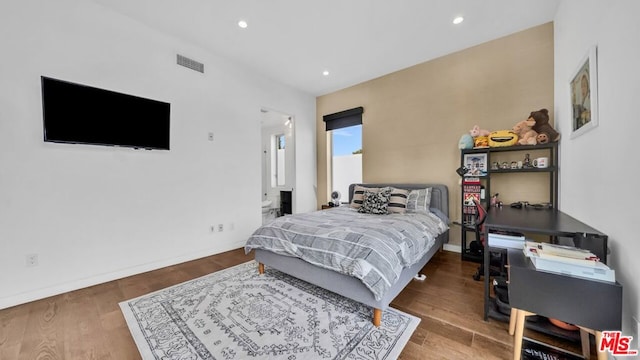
{"points": [[419, 200], [398, 201]]}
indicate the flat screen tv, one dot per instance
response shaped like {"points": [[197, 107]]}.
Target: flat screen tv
{"points": [[80, 114]]}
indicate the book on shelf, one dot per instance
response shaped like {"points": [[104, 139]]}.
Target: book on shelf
{"points": [[471, 190], [567, 261]]}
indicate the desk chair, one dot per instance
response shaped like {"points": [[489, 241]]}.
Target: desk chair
{"points": [[496, 262]]}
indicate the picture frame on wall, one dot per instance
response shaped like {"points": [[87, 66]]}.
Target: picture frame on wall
{"points": [[583, 88], [476, 164]]}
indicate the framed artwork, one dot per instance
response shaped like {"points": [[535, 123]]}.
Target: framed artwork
{"points": [[584, 95], [476, 164]]}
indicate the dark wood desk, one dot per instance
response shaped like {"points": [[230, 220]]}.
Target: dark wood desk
{"points": [[550, 222], [593, 305]]}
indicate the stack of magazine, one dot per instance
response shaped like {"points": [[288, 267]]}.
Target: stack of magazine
{"points": [[567, 260]]}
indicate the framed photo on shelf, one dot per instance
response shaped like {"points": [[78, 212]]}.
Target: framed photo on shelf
{"points": [[476, 164], [583, 88]]}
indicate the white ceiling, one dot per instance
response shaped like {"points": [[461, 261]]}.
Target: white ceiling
{"points": [[293, 41]]}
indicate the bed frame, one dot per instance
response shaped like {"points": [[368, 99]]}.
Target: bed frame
{"points": [[351, 287]]}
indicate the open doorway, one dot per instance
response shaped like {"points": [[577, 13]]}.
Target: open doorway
{"points": [[278, 163]]}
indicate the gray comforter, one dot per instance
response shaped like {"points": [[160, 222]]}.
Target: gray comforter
{"points": [[372, 248]]}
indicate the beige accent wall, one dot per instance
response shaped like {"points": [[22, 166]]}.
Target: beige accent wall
{"points": [[414, 118]]}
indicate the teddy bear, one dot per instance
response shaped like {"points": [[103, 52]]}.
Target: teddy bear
{"points": [[526, 135], [541, 117], [476, 131]]}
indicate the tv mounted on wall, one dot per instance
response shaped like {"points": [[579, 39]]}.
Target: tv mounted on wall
{"points": [[80, 114]]}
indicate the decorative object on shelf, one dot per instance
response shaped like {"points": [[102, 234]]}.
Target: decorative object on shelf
{"points": [[527, 161], [495, 165], [465, 142], [477, 131], [526, 134], [542, 138], [584, 95], [514, 165], [504, 166], [481, 142], [502, 138], [541, 117], [541, 162], [476, 164], [480, 137]]}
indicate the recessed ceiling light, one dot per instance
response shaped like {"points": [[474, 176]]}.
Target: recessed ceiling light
{"points": [[243, 24], [325, 73], [458, 19]]}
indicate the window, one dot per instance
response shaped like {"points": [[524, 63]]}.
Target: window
{"points": [[346, 156], [345, 129]]}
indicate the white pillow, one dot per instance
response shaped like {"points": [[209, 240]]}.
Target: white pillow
{"points": [[419, 200]]}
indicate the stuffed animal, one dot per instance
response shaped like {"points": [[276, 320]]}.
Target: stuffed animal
{"points": [[502, 138], [542, 138], [476, 131], [466, 142], [541, 118], [481, 142], [526, 135]]}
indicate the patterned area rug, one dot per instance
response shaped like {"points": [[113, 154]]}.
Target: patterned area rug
{"points": [[238, 314]]}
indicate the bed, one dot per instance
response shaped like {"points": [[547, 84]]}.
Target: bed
{"points": [[278, 243]]}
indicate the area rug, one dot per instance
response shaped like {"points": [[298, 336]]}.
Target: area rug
{"points": [[238, 314]]}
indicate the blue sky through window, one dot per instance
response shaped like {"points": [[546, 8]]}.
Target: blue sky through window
{"points": [[347, 140]]}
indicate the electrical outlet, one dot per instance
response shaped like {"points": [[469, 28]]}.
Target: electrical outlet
{"points": [[211, 136], [220, 227], [31, 260], [212, 228]]}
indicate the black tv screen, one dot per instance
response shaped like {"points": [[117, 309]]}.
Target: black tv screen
{"points": [[80, 114]]}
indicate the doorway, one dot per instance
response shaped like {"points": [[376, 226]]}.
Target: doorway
{"points": [[278, 163]]}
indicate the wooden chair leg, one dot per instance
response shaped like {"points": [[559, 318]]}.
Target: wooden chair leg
{"points": [[584, 340], [512, 321], [602, 355], [260, 268], [377, 317], [586, 346], [521, 319]]}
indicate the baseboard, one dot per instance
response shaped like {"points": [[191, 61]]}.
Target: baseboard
{"points": [[39, 294], [452, 247]]}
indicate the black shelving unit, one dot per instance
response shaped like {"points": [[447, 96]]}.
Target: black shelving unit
{"points": [[550, 150]]}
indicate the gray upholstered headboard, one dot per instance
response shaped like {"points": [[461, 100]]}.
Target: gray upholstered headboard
{"points": [[439, 193]]}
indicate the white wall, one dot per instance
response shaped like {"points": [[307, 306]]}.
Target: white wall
{"points": [[347, 170], [95, 213], [598, 170]]}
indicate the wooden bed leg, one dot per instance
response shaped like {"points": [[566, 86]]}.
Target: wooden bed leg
{"points": [[261, 268], [377, 317]]}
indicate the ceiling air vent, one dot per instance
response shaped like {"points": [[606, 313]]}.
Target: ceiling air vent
{"points": [[191, 64]]}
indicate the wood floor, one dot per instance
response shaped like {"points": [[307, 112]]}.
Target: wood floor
{"points": [[88, 324]]}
